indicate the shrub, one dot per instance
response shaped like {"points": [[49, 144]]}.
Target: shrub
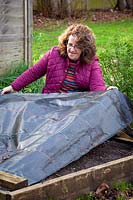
{"points": [[117, 64], [14, 72]]}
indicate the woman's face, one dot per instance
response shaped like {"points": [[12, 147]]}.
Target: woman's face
{"points": [[73, 51]]}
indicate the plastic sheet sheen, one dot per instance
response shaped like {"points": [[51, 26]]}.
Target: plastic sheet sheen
{"points": [[42, 133]]}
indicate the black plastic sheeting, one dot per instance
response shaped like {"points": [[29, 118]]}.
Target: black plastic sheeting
{"points": [[42, 133]]}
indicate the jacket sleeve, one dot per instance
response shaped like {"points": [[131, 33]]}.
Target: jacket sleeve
{"points": [[33, 73], [96, 77]]}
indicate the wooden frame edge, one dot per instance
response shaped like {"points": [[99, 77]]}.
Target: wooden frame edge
{"points": [[78, 183]]}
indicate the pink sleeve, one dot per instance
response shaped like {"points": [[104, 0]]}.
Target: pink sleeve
{"points": [[96, 77], [33, 73]]}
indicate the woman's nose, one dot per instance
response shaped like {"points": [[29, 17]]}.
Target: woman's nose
{"points": [[74, 47]]}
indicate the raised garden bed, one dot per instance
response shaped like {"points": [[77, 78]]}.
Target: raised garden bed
{"points": [[110, 162]]}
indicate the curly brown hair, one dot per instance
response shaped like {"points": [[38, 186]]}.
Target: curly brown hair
{"points": [[85, 42]]}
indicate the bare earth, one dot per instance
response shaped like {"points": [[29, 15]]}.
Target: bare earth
{"points": [[108, 151], [40, 22]]}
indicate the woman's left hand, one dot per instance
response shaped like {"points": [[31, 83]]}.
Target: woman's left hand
{"points": [[112, 87]]}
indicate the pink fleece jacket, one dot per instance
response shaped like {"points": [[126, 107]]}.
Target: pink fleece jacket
{"points": [[88, 76]]}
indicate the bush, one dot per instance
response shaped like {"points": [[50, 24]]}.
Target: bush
{"points": [[117, 64], [14, 72]]}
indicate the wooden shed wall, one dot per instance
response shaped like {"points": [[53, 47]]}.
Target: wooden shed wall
{"points": [[15, 32], [81, 4]]}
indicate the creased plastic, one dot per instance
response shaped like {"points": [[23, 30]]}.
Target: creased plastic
{"points": [[42, 133]]}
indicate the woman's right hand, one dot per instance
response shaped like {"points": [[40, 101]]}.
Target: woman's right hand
{"points": [[8, 89]]}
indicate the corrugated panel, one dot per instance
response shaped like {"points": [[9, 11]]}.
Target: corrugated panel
{"points": [[15, 32]]}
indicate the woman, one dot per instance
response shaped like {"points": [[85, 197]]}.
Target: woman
{"points": [[71, 66]]}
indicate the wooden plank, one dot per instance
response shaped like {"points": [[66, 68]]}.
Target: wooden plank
{"points": [[25, 31], [10, 51], [11, 20], [78, 183], [11, 181], [29, 35], [14, 30], [11, 37], [12, 2], [28, 31], [12, 48], [5, 195], [11, 30], [15, 27], [11, 11], [124, 137]]}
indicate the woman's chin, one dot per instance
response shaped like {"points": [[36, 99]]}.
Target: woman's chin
{"points": [[72, 58]]}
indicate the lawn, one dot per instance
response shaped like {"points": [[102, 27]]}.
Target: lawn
{"points": [[105, 33]]}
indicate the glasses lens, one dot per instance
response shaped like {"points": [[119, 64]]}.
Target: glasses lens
{"points": [[74, 46]]}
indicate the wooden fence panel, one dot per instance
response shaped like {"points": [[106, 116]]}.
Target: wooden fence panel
{"points": [[15, 32]]}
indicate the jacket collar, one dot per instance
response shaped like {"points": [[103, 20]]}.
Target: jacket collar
{"points": [[68, 62]]}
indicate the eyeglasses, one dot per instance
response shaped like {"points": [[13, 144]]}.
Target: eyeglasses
{"points": [[69, 45]]}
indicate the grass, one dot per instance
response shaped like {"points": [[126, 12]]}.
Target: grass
{"points": [[43, 40], [105, 32]]}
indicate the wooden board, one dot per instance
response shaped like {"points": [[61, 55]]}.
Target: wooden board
{"points": [[16, 31], [124, 137], [12, 182], [75, 184], [5, 195]]}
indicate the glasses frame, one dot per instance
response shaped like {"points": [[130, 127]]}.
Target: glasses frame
{"points": [[69, 45]]}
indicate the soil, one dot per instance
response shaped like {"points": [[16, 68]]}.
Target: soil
{"points": [[108, 151], [41, 22]]}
